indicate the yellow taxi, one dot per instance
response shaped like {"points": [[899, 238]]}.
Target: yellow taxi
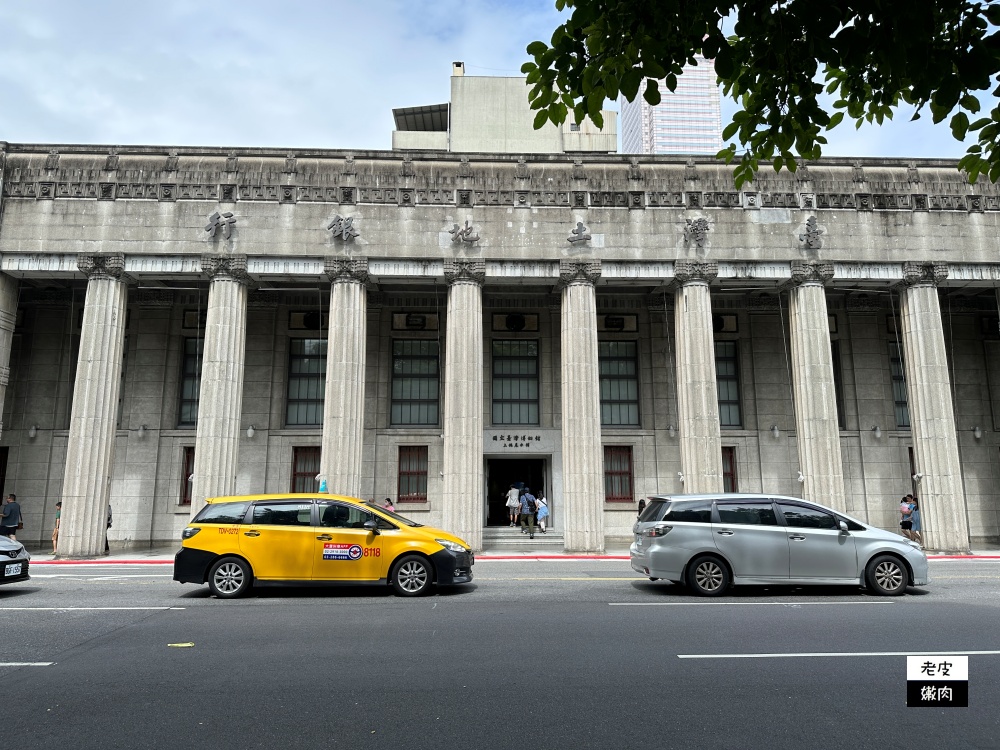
{"points": [[237, 542]]}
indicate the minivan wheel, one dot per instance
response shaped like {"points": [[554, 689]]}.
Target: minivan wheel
{"points": [[230, 578], [412, 576], [886, 576], [708, 576]]}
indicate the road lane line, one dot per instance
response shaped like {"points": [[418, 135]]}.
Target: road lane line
{"points": [[87, 609], [725, 604], [26, 663], [838, 653]]}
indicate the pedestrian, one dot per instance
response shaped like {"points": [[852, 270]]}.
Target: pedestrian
{"points": [[528, 509], [642, 505], [513, 504], [905, 516], [11, 520], [388, 505], [915, 522], [543, 510], [107, 547], [55, 530]]}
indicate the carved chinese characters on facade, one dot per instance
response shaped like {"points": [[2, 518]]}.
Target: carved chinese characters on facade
{"points": [[343, 227], [579, 234], [696, 232], [463, 234], [224, 220], [811, 236]]}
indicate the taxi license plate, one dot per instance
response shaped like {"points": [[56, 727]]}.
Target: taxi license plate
{"points": [[12, 570]]}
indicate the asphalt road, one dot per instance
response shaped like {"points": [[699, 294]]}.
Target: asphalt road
{"points": [[561, 654]]}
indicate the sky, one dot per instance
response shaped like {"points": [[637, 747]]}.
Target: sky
{"points": [[291, 74]]}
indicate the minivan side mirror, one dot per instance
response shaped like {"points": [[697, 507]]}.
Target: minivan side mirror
{"points": [[843, 526], [372, 526]]}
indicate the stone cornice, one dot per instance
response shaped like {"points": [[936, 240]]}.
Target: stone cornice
{"points": [[346, 270]]}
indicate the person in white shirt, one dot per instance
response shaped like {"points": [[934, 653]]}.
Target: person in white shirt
{"points": [[513, 504]]}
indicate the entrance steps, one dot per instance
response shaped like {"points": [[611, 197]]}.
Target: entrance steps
{"points": [[500, 538]]}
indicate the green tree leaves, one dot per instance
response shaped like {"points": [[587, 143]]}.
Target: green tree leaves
{"points": [[872, 58]]}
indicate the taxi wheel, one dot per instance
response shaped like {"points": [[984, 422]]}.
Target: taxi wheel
{"points": [[230, 578], [412, 576]]}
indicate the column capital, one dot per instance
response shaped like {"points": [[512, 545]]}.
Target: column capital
{"points": [[695, 271], [346, 270], [579, 272], [226, 268], [110, 266], [924, 274], [805, 272], [465, 271]]}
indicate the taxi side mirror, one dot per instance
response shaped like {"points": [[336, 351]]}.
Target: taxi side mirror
{"points": [[372, 526]]}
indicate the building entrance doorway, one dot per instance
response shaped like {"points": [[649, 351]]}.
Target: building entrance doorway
{"points": [[501, 473]]}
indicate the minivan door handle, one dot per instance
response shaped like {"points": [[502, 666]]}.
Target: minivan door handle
{"points": [[797, 538], [324, 537], [251, 533], [725, 533]]}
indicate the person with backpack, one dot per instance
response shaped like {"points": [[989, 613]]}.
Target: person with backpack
{"points": [[543, 510], [528, 509]]}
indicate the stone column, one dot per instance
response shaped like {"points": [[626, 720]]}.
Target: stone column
{"points": [[463, 491], [932, 417], [582, 453], [344, 402], [817, 427], [220, 400], [90, 452], [8, 314], [697, 393]]}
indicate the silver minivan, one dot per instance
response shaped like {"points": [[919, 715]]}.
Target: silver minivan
{"points": [[712, 542]]}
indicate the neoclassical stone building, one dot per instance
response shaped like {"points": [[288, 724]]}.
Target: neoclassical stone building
{"points": [[434, 326]]}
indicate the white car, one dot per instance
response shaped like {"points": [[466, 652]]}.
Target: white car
{"points": [[712, 542], [13, 561]]}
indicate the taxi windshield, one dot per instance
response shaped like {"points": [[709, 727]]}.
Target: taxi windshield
{"points": [[393, 516]]}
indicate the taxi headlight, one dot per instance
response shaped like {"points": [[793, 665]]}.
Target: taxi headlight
{"points": [[189, 532], [449, 545]]}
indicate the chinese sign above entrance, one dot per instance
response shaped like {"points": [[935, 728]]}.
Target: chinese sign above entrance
{"points": [[522, 441]]}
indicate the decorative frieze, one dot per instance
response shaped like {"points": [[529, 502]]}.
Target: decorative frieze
{"points": [[467, 271], [232, 267], [346, 270], [915, 274], [811, 273], [579, 272], [692, 271], [110, 266]]}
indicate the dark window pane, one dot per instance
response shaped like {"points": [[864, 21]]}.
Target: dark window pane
{"points": [[801, 517], [306, 381], [748, 514], [283, 514], [222, 513], [693, 512]]}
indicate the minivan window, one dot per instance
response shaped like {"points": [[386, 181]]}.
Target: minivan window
{"points": [[653, 511], [283, 514], [748, 514], [222, 513], [695, 512], [800, 517]]}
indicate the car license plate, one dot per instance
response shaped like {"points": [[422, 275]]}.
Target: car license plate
{"points": [[12, 570]]}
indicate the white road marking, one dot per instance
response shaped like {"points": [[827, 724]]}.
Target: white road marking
{"points": [[726, 604], [26, 663], [87, 609], [836, 653]]}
